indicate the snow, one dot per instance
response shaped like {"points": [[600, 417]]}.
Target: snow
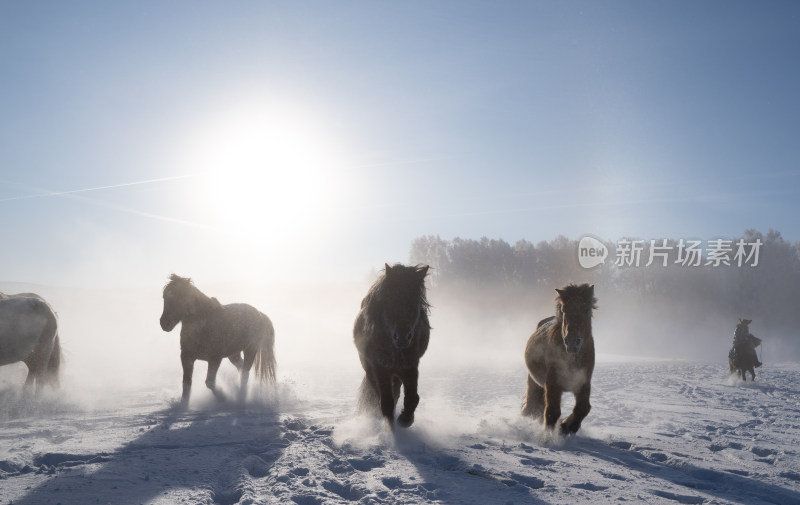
{"points": [[659, 432]]}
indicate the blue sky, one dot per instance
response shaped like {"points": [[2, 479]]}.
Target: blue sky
{"points": [[274, 140]]}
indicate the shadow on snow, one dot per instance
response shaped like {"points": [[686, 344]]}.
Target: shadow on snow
{"points": [[202, 453]]}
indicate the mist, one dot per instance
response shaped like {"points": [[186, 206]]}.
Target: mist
{"points": [[116, 427], [482, 313], [488, 296], [114, 347]]}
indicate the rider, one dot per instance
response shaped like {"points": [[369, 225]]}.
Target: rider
{"points": [[746, 342]]}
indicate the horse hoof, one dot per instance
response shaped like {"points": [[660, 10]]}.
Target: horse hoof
{"points": [[405, 420], [568, 430]]}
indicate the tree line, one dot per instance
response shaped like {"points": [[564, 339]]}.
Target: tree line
{"points": [[665, 294]]}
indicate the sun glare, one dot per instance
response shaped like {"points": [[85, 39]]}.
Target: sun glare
{"points": [[267, 171]]}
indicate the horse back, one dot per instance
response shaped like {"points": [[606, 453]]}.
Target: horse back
{"points": [[26, 322], [225, 330]]}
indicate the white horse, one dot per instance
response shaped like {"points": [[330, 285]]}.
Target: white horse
{"points": [[29, 333]]}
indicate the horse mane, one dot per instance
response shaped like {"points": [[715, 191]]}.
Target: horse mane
{"points": [[178, 280], [571, 291], [376, 297], [186, 284]]}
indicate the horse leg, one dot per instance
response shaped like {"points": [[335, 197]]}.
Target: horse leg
{"points": [[410, 378], [552, 405], [37, 367], [534, 400], [236, 359], [397, 386], [582, 407], [188, 368], [211, 378], [244, 371], [30, 378], [383, 381]]}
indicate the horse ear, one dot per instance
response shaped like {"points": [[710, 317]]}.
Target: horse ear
{"points": [[424, 271], [560, 292], [591, 290], [747, 321], [386, 267]]}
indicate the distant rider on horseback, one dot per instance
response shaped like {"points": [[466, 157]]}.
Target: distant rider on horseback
{"points": [[745, 343]]}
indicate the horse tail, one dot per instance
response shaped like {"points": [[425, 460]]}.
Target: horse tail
{"points": [[368, 398], [264, 363], [53, 368], [50, 364]]}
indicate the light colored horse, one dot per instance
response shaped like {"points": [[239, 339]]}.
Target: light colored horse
{"points": [[29, 333], [560, 358], [211, 331]]}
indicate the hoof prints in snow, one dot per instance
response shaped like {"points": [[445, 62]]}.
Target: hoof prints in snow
{"points": [[365, 464], [791, 476], [680, 498], [538, 462], [66, 460], [687, 440], [346, 491], [229, 498], [307, 499]]}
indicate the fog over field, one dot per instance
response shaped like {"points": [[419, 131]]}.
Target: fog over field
{"points": [[668, 424], [281, 153]]}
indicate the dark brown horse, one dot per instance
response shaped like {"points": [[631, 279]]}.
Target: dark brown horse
{"points": [[29, 333], [560, 358], [212, 331], [391, 334], [742, 356]]}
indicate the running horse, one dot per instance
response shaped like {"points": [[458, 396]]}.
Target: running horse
{"points": [[391, 334], [211, 331], [560, 358], [742, 356], [29, 333]]}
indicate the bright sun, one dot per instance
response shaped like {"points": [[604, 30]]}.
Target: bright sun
{"points": [[268, 171]]}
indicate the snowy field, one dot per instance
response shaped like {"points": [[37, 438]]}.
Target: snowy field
{"points": [[659, 432]]}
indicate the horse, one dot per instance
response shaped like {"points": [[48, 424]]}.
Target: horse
{"points": [[742, 356], [559, 356], [29, 333], [391, 334], [212, 331]]}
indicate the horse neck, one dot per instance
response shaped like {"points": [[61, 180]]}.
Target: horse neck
{"points": [[202, 304]]}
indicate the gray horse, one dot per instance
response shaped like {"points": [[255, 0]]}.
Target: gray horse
{"points": [[29, 333]]}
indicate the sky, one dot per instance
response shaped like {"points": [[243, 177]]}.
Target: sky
{"points": [[260, 141]]}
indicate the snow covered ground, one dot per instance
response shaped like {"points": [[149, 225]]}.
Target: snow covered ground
{"points": [[659, 432]]}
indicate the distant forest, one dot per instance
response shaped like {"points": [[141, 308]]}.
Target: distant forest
{"points": [[670, 301]]}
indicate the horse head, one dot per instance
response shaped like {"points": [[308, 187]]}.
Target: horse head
{"points": [[404, 302], [574, 306], [177, 301]]}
